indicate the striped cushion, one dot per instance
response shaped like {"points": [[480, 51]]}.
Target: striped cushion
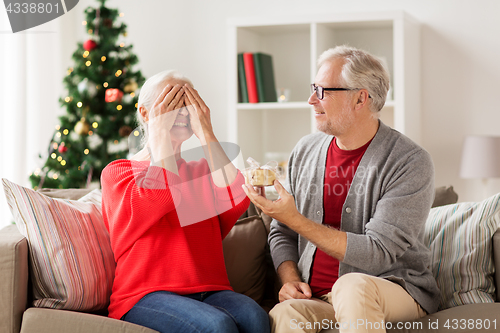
{"points": [[71, 261], [460, 239]]}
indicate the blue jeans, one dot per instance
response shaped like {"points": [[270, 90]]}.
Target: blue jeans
{"points": [[216, 311]]}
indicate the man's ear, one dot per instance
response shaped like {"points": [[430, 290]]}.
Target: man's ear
{"points": [[362, 96]]}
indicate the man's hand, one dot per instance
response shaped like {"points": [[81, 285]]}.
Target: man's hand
{"points": [[293, 287], [295, 290], [331, 241], [283, 209]]}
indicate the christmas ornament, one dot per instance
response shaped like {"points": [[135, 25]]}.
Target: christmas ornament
{"points": [[82, 127], [125, 131], [113, 95], [131, 86], [62, 148], [88, 86], [89, 45]]}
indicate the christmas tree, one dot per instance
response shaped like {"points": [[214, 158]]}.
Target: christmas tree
{"points": [[100, 105]]}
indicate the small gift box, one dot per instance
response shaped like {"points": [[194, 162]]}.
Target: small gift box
{"points": [[257, 175]]}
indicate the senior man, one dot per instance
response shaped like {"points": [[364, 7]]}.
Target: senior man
{"points": [[347, 233]]}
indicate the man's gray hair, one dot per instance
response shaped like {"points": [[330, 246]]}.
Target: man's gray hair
{"points": [[149, 93], [361, 70]]}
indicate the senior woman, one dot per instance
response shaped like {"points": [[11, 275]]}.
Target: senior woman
{"points": [[167, 219]]}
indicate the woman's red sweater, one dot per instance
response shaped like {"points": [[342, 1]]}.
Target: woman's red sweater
{"points": [[166, 230]]}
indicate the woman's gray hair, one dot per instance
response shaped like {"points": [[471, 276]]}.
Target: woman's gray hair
{"points": [[361, 70], [149, 93]]}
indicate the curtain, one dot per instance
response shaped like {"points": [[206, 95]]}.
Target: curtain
{"points": [[31, 76]]}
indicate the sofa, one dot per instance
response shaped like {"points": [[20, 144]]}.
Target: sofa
{"points": [[250, 272]]}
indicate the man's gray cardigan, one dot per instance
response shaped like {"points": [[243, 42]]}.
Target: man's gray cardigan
{"points": [[383, 215]]}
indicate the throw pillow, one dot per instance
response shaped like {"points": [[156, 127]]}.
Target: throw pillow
{"points": [[245, 257], [460, 240], [444, 195], [71, 261], [67, 193]]}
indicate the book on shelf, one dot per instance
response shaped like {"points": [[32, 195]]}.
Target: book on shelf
{"points": [[253, 95], [264, 74], [242, 81]]}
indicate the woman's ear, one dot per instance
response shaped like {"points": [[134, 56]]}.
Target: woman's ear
{"points": [[144, 113]]}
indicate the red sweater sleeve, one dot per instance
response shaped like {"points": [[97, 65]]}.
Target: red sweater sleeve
{"points": [[230, 203], [132, 190]]}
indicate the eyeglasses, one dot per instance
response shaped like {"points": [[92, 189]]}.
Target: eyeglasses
{"points": [[320, 91]]}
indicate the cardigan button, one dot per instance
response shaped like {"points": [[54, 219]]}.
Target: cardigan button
{"points": [[348, 210], [318, 212]]}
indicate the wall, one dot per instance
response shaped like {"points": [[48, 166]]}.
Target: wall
{"points": [[30, 87], [460, 52]]}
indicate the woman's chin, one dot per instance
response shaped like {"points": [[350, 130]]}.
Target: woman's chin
{"points": [[181, 134]]}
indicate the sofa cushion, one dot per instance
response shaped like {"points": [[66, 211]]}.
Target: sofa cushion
{"points": [[52, 321], [460, 239], [71, 261], [469, 318], [245, 255], [13, 278]]}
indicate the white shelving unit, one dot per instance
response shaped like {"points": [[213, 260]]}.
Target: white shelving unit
{"points": [[295, 43]]}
